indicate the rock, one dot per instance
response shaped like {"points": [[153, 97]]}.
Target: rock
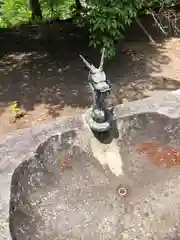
{"points": [[80, 199]]}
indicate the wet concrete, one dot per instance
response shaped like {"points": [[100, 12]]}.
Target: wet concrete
{"points": [[65, 191]]}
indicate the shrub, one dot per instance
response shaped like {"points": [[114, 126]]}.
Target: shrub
{"points": [[14, 12]]}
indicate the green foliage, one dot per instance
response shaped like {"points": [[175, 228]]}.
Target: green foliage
{"points": [[14, 12], [160, 3], [106, 21], [53, 9]]}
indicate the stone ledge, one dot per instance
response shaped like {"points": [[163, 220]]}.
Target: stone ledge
{"points": [[22, 144]]}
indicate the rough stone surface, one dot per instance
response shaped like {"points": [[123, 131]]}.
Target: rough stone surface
{"points": [[58, 187], [16, 148]]}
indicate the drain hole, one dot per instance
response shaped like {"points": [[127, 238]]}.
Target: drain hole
{"points": [[122, 191]]}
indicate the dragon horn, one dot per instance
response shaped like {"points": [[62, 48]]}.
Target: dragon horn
{"points": [[88, 65], [102, 60]]}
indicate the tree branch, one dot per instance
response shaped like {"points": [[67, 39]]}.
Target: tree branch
{"points": [[145, 31]]}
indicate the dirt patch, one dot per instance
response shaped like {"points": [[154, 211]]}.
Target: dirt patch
{"points": [[49, 79]]}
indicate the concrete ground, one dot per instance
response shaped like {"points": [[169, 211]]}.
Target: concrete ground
{"points": [[63, 182]]}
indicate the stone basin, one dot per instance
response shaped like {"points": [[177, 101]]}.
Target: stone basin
{"points": [[68, 188]]}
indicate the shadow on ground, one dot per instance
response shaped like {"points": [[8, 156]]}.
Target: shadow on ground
{"points": [[45, 74]]}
